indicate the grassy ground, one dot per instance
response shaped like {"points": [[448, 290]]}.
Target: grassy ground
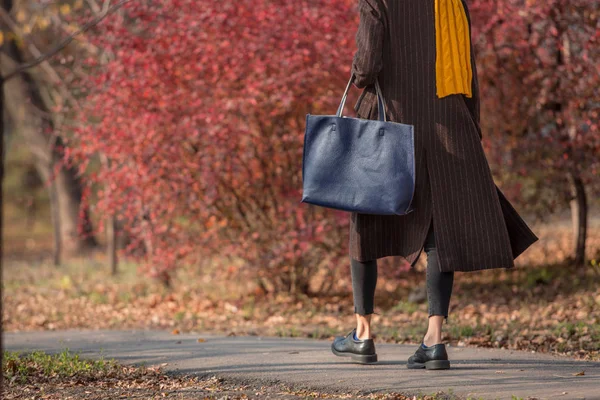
{"points": [[548, 309], [67, 376]]}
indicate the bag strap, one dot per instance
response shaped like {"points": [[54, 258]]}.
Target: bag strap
{"points": [[380, 101]]}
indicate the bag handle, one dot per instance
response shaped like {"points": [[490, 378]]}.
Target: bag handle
{"points": [[380, 102]]}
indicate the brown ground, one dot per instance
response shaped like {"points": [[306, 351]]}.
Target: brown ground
{"points": [[548, 309], [27, 379]]}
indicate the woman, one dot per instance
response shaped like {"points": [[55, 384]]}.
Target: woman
{"points": [[421, 53]]}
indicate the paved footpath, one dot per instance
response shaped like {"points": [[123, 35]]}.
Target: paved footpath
{"points": [[304, 363]]}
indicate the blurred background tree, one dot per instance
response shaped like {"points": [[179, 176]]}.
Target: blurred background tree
{"points": [[32, 97], [541, 85]]}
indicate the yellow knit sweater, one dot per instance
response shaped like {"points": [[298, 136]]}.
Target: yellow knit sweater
{"points": [[453, 51]]}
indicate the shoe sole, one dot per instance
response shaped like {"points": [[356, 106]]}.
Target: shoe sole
{"points": [[359, 358], [433, 364]]}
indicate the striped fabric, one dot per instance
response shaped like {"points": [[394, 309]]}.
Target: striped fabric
{"points": [[475, 226]]}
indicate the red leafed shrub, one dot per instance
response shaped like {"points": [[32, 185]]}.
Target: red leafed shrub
{"points": [[539, 70], [197, 111], [199, 117]]}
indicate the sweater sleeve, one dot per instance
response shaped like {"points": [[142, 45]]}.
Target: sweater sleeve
{"points": [[368, 59]]}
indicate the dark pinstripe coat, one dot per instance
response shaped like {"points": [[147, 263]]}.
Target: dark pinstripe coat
{"points": [[475, 225]]}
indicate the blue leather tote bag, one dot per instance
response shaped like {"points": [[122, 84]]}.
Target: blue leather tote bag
{"points": [[358, 165]]}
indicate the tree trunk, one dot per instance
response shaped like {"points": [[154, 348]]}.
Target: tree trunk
{"points": [[111, 244], [55, 218], [579, 214], [31, 117], [111, 225], [1, 216]]}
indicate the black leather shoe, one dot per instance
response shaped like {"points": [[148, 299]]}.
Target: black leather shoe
{"points": [[362, 351], [433, 357]]}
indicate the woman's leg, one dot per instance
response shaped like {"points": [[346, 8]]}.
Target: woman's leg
{"points": [[439, 291], [364, 281]]}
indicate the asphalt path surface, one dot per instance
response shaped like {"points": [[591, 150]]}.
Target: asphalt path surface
{"points": [[309, 364]]}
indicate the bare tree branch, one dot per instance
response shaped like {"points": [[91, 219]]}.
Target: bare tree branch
{"points": [[45, 65], [93, 22]]}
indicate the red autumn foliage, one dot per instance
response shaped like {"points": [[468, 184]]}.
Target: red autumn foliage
{"points": [[200, 113], [539, 64], [198, 108]]}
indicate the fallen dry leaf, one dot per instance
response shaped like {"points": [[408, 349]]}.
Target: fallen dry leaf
{"points": [[500, 309]]}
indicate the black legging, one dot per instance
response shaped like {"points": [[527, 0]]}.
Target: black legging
{"points": [[439, 284]]}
